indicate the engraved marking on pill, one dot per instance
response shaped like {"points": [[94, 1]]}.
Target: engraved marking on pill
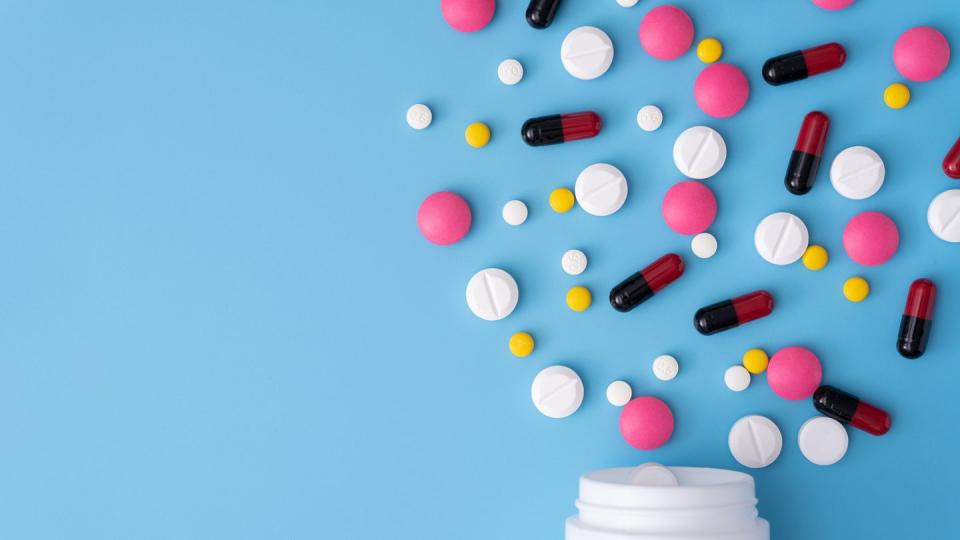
{"points": [[556, 391], [851, 176], [488, 288], [951, 220]]}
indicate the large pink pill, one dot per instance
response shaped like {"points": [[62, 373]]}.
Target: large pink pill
{"points": [[444, 218], [468, 15], [646, 423], [832, 5], [794, 373], [921, 53], [871, 238], [721, 90], [689, 207], [666, 32]]}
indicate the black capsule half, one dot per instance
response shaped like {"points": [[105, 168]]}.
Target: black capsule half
{"points": [[540, 13]]}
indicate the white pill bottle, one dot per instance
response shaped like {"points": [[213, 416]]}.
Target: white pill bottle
{"points": [[653, 502]]}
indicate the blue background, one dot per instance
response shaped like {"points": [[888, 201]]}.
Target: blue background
{"points": [[219, 320]]}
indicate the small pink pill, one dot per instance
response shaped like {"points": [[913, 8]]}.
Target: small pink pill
{"points": [[689, 207], [721, 90], [468, 15], [794, 373], [833, 5], [646, 423], [921, 53], [871, 238], [444, 218], [666, 32]]}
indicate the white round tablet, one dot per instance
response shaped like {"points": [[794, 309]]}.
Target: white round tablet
{"points": [[601, 189], [699, 152], [557, 391], [943, 215], [510, 71], [755, 441], [653, 474], [781, 238], [573, 262], [627, 3], [737, 378], [650, 118], [586, 52], [492, 294], [823, 441], [514, 212], [665, 367], [619, 393], [419, 116], [704, 245], [857, 172]]}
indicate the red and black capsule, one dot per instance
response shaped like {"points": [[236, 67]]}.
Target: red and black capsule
{"points": [[639, 287], [732, 313], [798, 65], [560, 128], [805, 159], [849, 409], [916, 320], [951, 163], [540, 13]]}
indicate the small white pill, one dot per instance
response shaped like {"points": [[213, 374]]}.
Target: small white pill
{"points": [[857, 172], [619, 393], [492, 294], [755, 441], [601, 189], [665, 367], [514, 212], [650, 118], [943, 215], [586, 52], [627, 3], [573, 262], [510, 71], [419, 116], [557, 391], [699, 152], [823, 441], [737, 378], [781, 238], [653, 474], [704, 245]]}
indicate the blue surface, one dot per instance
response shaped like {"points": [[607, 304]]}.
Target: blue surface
{"points": [[219, 320]]}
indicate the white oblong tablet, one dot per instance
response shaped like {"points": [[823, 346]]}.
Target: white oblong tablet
{"points": [[653, 474], [492, 294], [419, 116], [510, 71], [665, 367], [737, 378], [619, 393], [573, 262], [650, 118], [699, 152], [781, 238], [601, 189], [755, 441], [514, 212], [943, 215], [557, 391], [586, 52], [704, 245], [857, 172], [823, 441]]}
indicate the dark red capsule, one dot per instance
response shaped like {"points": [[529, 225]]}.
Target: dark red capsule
{"points": [[559, 128], [640, 286], [540, 13], [805, 159], [849, 409], [797, 65], [732, 313], [951, 163], [916, 320]]}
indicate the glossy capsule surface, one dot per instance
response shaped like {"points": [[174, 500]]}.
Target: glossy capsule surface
{"points": [[560, 128], [640, 286], [732, 313], [805, 159], [916, 320], [540, 13], [797, 65], [951, 163], [849, 409]]}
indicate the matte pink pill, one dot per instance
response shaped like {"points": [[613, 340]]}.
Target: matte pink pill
{"points": [[832, 5], [689, 207], [871, 238], [646, 423], [921, 53], [444, 218], [468, 15], [721, 90], [794, 373], [666, 32]]}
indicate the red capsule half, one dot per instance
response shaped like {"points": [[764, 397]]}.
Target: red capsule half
{"points": [[951, 163], [805, 159]]}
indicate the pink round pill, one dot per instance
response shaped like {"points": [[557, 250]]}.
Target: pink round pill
{"points": [[444, 218], [721, 90], [921, 53], [871, 238], [666, 32], [833, 5], [646, 423], [468, 15], [689, 207], [794, 373]]}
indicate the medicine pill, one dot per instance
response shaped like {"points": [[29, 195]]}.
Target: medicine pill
{"points": [[646, 423], [755, 441], [951, 162], [649, 118], [665, 367], [468, 15], [943, 215], [709, 50], [510, 71], [781, 238], [737, 378], [557, 391], [601, 189], [574, 262], [514, 212], [896, 96], [704, 245], [579, 298], [619, 393], [871, 238], [477, 134], [419, 116], [444, 218], [689, 207], [721, 90], [857, 172], [699, 152], [586, 52], [805, 158], [756, 361], [653, 474], [540, 13], [849, 409], [815, 257], [921, 53], [640, 286], [856, 289], [666, 32], [732, 313], [823, 440], [561, 200], [917, 318], [492, 294], [521, 344], [794, 373], [798, 65], [560, 128]]}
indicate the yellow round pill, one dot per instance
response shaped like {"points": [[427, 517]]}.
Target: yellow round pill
{"points": [[561, 200], [896, 96], [709, 50], [856, 289], [578, 298], [755, 360], [521, 344], [815, 257], [477, 134]]}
